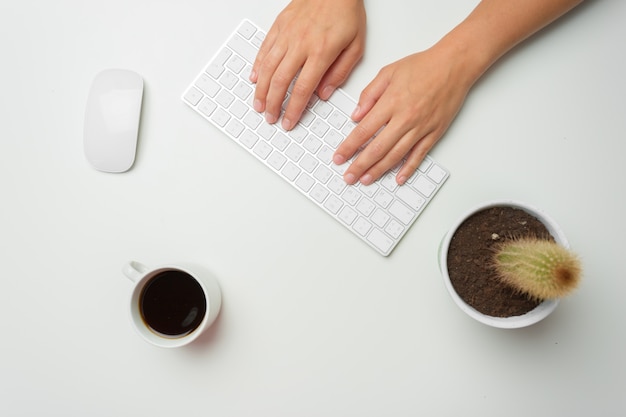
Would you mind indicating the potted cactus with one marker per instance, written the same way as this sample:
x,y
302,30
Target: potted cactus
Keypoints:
x,y
540,268
507,264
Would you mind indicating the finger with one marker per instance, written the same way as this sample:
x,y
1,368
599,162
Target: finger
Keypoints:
x,y
339,71
266,70
370,95
332,70
301,92
415,158
266,46
383,153
279,84
362,132
368,126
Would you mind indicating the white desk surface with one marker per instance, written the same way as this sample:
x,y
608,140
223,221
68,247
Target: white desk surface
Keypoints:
x,y
314,322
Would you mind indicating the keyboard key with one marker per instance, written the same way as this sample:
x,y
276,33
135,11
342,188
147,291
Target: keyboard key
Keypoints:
x,y
389,181
362,226
337,185
239,109
437,174
308,163
347,215
262,149
348,127
298,133
333,138
294,152
410,197
228,80
365,207
322,109
401,212
236,64
215,70
343,102
394,229
193,96
337,120
312,144
242,91
208,85
381,241
276,160
207,107
333,204
224,98
424,186
426,163
221,58
290,171
246,29
248,139
266,130
257,39
307,118
351,196
340,169
325,155
383,198
280,141
243,48
319,193
369,190
305,182
322,174
380,218
234,128
319,128
253,120
220,117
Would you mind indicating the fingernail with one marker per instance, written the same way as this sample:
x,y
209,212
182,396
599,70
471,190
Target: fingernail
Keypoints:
x,y
366,179
286,124
258,106
402,179
356,112
327,92
339,159
253,76
350,179
270,118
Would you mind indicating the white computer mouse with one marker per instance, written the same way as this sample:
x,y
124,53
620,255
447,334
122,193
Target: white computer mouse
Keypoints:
x,y
112,120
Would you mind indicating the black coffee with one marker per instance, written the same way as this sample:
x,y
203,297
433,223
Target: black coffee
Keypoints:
x,y
172,303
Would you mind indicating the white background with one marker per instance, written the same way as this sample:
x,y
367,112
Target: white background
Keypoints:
x,y
314,322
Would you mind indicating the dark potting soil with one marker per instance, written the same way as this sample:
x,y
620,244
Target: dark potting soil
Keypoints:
x,y
470,260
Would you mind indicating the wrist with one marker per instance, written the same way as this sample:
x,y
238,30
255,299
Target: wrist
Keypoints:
x,y
463,58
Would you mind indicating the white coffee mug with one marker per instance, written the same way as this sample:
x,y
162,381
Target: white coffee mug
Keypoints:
x,y
172,305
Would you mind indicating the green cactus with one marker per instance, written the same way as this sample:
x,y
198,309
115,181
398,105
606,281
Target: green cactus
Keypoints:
x,y
540,268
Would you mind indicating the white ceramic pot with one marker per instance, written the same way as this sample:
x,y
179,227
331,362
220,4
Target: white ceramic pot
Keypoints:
x,y
533,316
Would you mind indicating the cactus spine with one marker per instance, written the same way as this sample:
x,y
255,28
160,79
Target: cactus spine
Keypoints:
x,y
540,268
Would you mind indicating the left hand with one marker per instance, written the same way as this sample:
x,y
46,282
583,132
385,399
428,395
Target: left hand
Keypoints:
x,y
413,100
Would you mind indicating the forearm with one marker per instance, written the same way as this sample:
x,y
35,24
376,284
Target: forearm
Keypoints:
x,y
496,26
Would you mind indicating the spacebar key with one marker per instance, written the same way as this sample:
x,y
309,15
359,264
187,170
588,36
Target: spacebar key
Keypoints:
x,y
243,48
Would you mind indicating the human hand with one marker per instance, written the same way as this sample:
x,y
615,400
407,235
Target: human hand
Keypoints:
x,y
413,101
322,40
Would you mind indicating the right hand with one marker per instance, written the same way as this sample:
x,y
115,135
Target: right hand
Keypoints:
x,y
322,40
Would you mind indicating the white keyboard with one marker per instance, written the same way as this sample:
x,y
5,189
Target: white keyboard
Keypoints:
x,y
379,214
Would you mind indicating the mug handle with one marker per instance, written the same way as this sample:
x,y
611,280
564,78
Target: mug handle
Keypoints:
x,y
134,270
